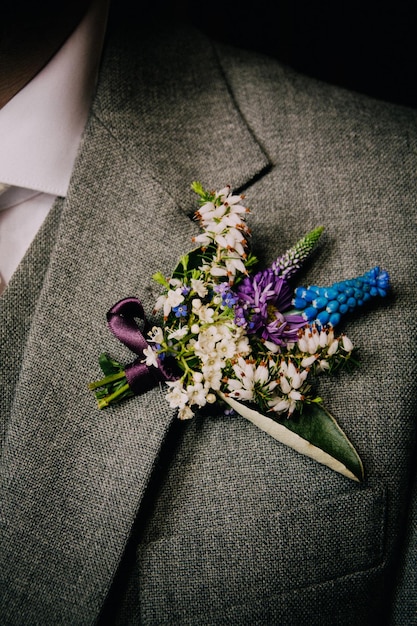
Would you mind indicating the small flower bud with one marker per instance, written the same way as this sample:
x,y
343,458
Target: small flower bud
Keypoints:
x,y
347,344
333,347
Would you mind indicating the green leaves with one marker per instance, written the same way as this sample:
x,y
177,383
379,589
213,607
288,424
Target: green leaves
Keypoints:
x,y
315,433
113,388
205,196
192,261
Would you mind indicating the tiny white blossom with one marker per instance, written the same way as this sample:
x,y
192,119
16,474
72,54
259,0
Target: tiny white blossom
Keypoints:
x,y
216,270
323,365
185,413
151,357
234,265
205,314
197,377
179,333
243,346
197,394
212,374
279,405
199,287
172,298
309,360
333,347
156,335
240,388
347,344
271,346
226,348
177,396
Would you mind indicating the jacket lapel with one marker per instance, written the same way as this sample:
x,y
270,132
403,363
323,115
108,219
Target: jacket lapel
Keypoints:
x,y
185,124
75,476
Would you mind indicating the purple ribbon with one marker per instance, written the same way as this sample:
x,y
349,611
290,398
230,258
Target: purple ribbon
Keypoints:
x,y
121,320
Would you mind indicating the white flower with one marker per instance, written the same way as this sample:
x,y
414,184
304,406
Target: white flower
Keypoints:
x,y
347,344
151,357
333,347
226,348
216,270
240,388
197,394
197,377
242,345
199,287
271,346
212,373
185,413
309,360
323,338
279,404
261,374
156,335
177,396
323,365
205,314
179,333
286,404
250,379
204,239
234,265
175,297
172,298
205,345
291,380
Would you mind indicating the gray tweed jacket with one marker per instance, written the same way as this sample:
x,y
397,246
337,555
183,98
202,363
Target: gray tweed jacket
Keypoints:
x,y
128,515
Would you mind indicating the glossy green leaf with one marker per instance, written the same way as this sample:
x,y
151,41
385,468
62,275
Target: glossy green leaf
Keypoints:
x,y
193,260
315,434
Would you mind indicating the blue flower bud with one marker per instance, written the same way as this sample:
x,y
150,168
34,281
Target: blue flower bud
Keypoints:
x,y
326,305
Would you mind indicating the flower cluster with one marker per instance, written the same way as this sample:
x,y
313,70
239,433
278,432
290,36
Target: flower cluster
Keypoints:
x,y
247,336
247,339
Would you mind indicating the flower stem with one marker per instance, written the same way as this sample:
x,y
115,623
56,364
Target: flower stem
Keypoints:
x,y
111,398
106,381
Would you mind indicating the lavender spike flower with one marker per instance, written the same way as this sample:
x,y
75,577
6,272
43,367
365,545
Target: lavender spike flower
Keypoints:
x,y
292,260
326,305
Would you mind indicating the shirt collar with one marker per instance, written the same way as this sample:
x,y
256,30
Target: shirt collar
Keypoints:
x,y
41,127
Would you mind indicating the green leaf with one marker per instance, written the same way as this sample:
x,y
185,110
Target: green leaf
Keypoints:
x,y
205,196
195,259
109,366
315,434
320,429
160,278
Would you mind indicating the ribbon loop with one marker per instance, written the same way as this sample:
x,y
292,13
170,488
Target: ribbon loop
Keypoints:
x,y
121,319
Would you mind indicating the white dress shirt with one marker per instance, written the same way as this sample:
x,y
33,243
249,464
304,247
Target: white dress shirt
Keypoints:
x,y
40,132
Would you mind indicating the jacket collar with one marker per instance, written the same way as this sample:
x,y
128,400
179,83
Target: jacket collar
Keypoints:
x,y
185,124
125,216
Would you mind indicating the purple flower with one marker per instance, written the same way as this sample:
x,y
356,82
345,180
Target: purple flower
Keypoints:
x,y
229,298
222,287
265,300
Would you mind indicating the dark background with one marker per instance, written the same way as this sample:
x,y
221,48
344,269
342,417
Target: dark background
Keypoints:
x,y
367,46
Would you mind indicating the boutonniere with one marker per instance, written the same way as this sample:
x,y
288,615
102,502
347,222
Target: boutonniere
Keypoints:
x,y
248,339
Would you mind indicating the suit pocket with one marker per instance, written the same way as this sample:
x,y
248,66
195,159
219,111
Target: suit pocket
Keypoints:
x,y
254,561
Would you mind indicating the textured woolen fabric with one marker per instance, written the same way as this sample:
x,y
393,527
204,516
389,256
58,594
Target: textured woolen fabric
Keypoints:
x,y
129,516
